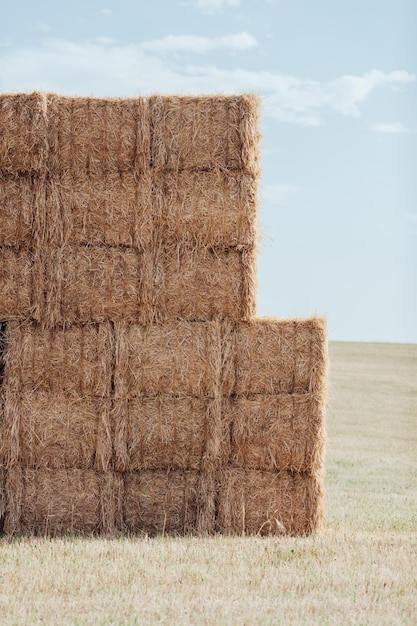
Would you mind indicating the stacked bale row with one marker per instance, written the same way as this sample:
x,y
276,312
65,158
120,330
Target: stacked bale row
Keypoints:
x,y
136,210
139,392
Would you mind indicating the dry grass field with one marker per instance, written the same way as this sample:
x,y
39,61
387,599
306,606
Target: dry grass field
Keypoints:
x,y
361,570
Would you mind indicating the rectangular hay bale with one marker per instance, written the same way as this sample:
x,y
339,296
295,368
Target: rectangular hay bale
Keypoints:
x,y
95,284
61,502
113,208
98,134
181,358
16,280
161,502
23,133
253,502
204,284
16,209
73,359
167,432
215,208
277,432
205,133
280,356
57,430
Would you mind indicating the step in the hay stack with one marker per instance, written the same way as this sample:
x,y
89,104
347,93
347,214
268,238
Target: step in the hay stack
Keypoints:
x,y
165,403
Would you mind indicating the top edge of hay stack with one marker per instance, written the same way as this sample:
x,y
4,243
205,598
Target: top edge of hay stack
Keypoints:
x,y
140,393
44,133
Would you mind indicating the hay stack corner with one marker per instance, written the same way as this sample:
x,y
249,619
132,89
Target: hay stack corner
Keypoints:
x,y
139,391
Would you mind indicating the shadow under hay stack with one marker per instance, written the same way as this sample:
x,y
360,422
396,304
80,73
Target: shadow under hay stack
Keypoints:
x,y
140,394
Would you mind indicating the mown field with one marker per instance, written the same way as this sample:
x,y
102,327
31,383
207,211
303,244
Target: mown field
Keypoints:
x,y
361,570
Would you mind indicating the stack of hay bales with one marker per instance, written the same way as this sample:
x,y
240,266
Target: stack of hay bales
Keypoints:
x,y
139,391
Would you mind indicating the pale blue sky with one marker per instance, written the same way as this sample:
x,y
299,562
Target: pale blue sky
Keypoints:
x,y
338,203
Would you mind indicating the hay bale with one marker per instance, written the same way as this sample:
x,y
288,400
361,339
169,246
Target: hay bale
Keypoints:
x,y
278,432
57,430
207,509
167,432
111,208
75,359
59,502
16,209
178,358
23,133
204,284
95,284
215,208
253,502
161,502
280,356
16,275
160,433
205,133
98,135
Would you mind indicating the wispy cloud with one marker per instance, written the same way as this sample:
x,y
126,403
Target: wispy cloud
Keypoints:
x,y
199,45
295,100
215,6
411,217
390,129
106,11
104,68
105,41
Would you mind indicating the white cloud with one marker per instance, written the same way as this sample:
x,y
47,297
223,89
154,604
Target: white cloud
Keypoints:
x,y
199,45
106,11
215,6
393,128
411,217
347,92
291,99
104,69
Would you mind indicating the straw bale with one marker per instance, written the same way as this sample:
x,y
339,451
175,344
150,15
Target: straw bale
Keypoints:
x,y
278,432
16,209
23,133
216,208
73,359
16,273
178,358
95,284
206,509
98,134
113,208
254,502
167,432
57,430
59,502
205,133
112,492
204,284
280,356
161,502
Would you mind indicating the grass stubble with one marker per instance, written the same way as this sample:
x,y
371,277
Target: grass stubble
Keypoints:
x,y
360,570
